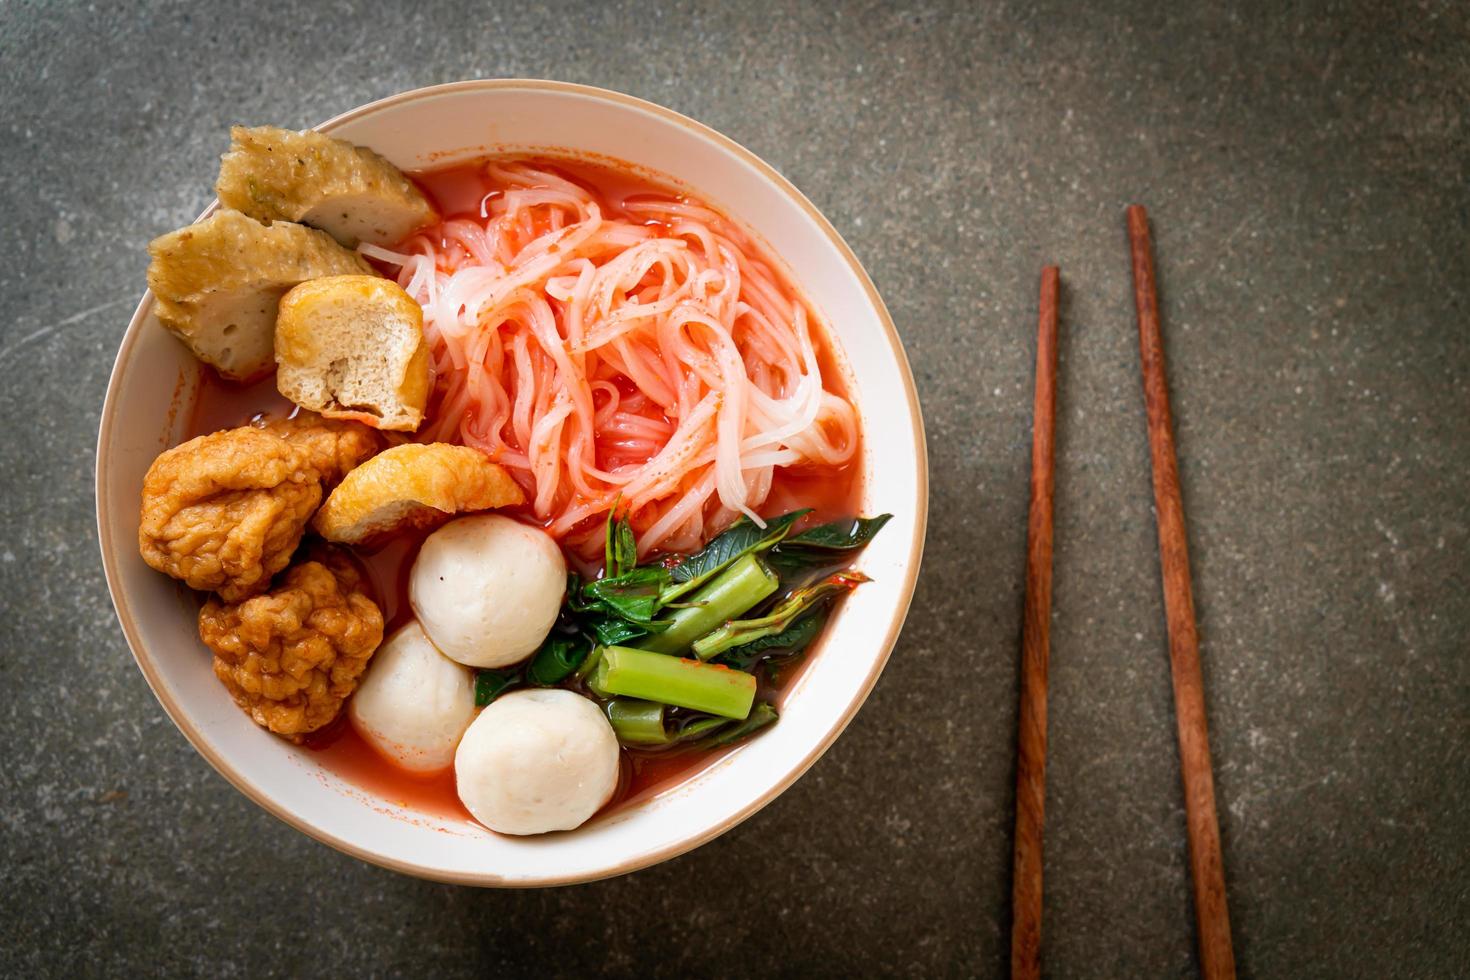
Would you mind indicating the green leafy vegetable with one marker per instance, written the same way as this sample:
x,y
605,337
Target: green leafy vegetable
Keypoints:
x,y
633,595
558,658
573,599
738,632
620,606
611,631
790,641
656,694
826,544
491,684
840,535
620,554
735,542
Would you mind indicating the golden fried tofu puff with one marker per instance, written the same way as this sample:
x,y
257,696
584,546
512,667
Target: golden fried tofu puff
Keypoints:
x,y
292,656
348,191
218,283
352,347
413,486
224,512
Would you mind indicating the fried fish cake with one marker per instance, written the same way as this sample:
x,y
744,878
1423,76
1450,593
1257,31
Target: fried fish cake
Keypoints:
x,y
337,446
348,191
292,656
224,512
219,281
413,486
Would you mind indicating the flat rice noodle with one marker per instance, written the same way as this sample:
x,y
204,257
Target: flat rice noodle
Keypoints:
x,y
602,349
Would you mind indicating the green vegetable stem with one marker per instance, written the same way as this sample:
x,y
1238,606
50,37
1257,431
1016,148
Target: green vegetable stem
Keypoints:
x,y
735,542
736,590
760,716
712,688
637,722
742,631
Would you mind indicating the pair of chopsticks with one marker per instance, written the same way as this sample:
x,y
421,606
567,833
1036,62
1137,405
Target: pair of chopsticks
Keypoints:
x,y
1207,869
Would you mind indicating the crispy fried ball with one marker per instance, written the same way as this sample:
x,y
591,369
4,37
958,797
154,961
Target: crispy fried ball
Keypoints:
x,y
224,512
291,657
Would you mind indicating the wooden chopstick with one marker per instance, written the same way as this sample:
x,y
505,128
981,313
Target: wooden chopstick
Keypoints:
x,y
1035,650
1217,959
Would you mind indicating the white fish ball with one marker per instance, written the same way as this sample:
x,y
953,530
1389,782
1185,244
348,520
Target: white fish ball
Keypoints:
x,y
487,589
536,761
414,703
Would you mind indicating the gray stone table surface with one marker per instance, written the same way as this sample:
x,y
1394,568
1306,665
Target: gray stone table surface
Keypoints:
x,y
1307,167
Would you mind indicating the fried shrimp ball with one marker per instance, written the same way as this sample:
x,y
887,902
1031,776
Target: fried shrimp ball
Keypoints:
x,y
225,511
293,656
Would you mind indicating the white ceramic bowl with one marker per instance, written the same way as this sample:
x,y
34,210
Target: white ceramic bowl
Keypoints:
x,y
153,384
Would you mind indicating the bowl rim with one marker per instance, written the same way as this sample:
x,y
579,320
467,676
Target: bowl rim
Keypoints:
x,y
642,860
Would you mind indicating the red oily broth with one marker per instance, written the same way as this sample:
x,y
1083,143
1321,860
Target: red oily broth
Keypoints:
x,y
831,492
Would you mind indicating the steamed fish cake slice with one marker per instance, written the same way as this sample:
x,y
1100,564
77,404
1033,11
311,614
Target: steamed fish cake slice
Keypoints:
x,y
347,191
352,347
219,281
413,486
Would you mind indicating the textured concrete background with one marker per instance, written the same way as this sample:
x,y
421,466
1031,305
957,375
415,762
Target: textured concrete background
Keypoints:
x,y
1306,168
